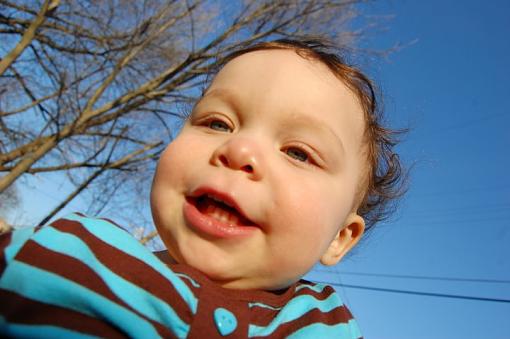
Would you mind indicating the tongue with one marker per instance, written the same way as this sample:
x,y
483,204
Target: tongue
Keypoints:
x,y
220,212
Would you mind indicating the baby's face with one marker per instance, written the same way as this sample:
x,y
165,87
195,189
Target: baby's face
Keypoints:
x,y
260,183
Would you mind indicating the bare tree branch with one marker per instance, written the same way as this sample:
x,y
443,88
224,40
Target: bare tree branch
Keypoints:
x,y
28,36
148,237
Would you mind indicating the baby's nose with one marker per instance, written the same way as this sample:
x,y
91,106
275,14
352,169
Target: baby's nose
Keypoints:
x,y
242,154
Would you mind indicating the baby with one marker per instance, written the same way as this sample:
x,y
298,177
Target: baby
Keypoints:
x,y
281,164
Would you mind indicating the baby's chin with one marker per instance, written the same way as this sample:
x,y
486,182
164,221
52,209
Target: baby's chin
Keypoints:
x,y
270,282
252,283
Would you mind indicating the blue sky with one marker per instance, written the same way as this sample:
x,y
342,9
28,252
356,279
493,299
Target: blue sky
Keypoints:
x,y
449,86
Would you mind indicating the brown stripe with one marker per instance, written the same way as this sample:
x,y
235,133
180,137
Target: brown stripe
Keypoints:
x,y
333,317
129,268
194,289
5,240
327,291
17,309
263,316
76,271
65,266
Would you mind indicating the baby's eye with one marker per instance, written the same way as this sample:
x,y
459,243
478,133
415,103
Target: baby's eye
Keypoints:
x,y
219,125
297,154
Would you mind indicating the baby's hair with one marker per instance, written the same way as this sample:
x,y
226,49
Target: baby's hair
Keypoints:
x,y
382,182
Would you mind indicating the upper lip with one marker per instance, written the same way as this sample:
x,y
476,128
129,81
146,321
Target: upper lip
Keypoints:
x,y
221,196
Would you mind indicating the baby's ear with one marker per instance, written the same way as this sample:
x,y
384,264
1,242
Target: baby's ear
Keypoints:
x,y
346,238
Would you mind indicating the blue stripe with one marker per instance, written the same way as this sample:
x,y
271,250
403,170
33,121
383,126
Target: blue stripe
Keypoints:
x,y
136,297
46,287
123,241
18,238
348,330
295,309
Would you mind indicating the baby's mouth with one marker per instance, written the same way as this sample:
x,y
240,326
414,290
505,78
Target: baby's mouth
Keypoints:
x,y
217,214
220,210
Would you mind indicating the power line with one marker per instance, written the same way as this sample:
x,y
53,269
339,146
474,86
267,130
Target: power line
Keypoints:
x,y
405,225
463,192
461,210
428,294
436,223
419,277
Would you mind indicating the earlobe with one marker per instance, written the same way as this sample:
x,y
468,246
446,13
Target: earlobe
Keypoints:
x,y
346,238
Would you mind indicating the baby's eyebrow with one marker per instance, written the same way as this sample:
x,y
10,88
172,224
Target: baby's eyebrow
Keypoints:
x,y
299,120
220,93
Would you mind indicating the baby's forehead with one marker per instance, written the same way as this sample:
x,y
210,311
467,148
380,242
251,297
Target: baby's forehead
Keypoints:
x,y
278,62
275,73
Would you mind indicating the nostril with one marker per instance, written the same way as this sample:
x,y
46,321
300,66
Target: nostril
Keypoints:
x,y
224,160
248,168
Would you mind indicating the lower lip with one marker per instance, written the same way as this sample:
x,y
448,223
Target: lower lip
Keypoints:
x,y
212,226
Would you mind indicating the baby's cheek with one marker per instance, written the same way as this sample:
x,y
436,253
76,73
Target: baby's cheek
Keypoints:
x,y
301,239
319,218
174,163
308,207
167,184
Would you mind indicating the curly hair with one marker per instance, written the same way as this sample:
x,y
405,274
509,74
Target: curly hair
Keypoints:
x,y
383,181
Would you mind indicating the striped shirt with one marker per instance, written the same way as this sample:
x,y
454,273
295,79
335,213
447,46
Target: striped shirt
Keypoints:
x,y
83,277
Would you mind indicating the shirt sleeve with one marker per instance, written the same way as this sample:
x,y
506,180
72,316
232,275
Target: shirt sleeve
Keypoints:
x,y
83,276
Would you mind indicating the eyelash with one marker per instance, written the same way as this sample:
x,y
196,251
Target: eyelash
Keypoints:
x,y
209,121
227,127
310,157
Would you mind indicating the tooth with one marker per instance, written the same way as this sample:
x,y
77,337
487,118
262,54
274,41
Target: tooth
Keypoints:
x,y
210,209
224,217
233,219
221,215
219,200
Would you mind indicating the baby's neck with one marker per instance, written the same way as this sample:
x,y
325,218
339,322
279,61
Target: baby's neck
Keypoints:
x,y
165,257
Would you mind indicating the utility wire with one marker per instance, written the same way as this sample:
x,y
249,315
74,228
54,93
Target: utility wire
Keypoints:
x,y
490,188
428,294
442,223
418,277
